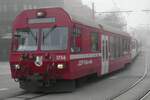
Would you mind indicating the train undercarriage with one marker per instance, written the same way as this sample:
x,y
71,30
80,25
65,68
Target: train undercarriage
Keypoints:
x,y
37,84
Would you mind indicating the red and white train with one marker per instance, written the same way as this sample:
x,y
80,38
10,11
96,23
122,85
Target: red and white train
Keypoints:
x,y
51,48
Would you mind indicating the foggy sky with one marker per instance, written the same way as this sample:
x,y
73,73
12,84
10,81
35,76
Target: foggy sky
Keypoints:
x,y
133,19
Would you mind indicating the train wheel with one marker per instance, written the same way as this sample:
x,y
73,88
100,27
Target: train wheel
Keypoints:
x,y
30,86
61,86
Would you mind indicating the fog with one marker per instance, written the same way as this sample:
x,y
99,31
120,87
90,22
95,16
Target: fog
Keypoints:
x,y
137,19
132,16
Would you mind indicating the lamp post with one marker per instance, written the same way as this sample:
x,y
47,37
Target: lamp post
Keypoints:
x,y
93,9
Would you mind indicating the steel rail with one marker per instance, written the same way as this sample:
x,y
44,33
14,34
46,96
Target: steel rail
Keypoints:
x,y
26,96
145,95
134,83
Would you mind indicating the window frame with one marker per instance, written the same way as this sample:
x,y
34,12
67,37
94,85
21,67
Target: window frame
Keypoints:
x,y
76,33
96,42
54,50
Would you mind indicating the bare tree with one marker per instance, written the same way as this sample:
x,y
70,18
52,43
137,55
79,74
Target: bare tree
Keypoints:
x,y
114,20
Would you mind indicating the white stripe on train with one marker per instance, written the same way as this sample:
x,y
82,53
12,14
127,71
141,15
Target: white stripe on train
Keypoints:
x,y
84,56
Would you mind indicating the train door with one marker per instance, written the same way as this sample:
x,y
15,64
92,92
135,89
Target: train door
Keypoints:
x,y
105,55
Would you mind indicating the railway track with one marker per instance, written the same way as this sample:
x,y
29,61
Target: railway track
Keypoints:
x,y
145,96
122,92
26,96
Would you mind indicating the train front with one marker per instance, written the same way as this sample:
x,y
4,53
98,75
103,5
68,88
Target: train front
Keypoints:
x,y
40,48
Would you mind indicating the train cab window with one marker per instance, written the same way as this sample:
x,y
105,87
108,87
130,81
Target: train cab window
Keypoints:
x,y
76,40
54,38
27,39
94,40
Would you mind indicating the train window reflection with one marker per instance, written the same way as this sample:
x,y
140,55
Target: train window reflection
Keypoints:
x,y
54,38
27,40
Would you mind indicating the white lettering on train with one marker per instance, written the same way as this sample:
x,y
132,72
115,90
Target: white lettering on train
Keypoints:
x,y
84,62
60,57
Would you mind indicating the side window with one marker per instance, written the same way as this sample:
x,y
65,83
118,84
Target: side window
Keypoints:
x,y
94,40
115,47
129,45
124,44
76,40
121,46
118,47
112,47
76,32
103,52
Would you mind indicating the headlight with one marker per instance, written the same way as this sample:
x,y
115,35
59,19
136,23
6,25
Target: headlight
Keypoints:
x,y
60,66
17,67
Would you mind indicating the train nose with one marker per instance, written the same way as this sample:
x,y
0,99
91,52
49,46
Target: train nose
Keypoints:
x,y
38,61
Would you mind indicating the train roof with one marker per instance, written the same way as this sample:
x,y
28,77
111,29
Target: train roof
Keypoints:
x,y
114,30
93,23
86,21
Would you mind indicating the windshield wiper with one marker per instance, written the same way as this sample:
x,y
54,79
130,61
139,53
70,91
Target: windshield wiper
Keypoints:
x,y
28,30
51,30
35,37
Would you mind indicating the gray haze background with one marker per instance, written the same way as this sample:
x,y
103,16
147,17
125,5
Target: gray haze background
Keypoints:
x,y
10,8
